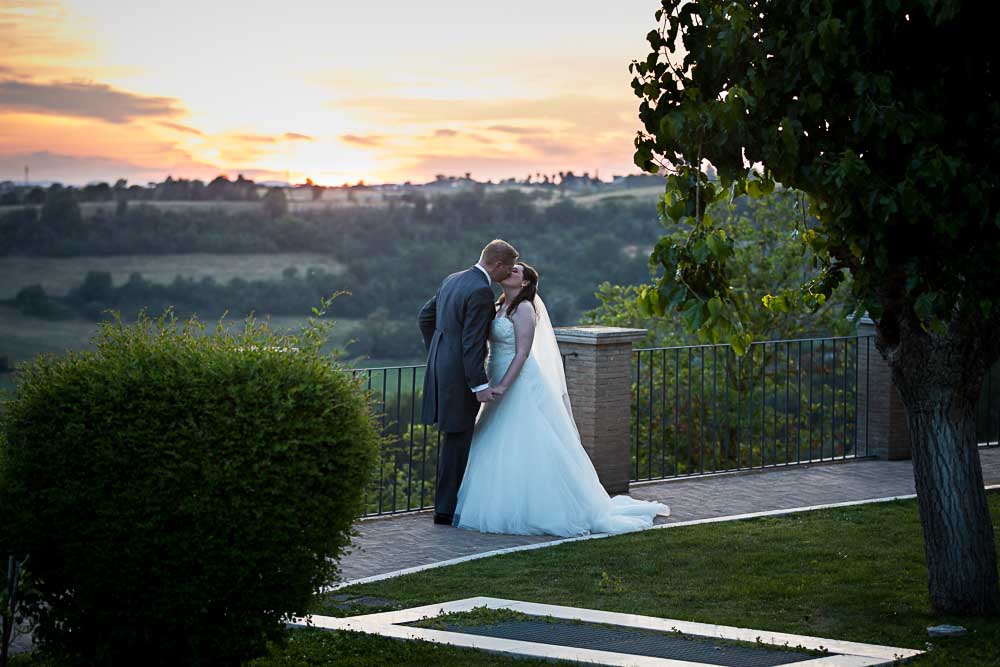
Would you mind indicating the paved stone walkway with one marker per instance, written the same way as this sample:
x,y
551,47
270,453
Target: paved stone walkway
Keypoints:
x,y
408,540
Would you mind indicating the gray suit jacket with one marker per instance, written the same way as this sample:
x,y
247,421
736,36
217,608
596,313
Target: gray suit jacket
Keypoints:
x,y
455,324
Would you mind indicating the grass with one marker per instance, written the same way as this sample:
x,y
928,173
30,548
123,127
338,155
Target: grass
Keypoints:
x,y
483,617
854,573
23,337
60,274
313,648
477,618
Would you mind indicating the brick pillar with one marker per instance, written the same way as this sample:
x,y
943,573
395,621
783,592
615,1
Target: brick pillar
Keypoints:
x,y
599,380
881,415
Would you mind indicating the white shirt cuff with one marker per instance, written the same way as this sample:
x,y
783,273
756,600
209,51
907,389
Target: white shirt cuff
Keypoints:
x,y
480,388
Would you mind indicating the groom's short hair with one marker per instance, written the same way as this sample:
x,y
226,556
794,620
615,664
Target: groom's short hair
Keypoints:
x,y
498,250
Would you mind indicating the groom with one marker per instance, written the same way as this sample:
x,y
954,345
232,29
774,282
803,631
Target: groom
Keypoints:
x,y
455,324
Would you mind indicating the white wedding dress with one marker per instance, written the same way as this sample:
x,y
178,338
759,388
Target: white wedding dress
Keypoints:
x,y
528,473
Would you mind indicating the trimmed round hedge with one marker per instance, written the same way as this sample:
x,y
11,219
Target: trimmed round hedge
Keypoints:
x,y
181,495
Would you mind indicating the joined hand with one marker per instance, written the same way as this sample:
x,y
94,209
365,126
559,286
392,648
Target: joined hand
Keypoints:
x,y
489,394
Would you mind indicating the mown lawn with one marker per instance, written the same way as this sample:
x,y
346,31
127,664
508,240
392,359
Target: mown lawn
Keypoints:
x,y
854,573
59,275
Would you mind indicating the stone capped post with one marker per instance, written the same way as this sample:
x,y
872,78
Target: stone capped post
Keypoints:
x,y
599,380
883,424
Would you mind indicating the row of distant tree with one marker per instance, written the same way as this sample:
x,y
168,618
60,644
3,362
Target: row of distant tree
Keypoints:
x,y
393,257
218,189
222,189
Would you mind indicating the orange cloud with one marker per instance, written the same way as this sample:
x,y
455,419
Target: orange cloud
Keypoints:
x,y
50,166
513,129
36,30
255,138
83,100
181,128
587,113
480,166
270,139
370,140
77,80
550,148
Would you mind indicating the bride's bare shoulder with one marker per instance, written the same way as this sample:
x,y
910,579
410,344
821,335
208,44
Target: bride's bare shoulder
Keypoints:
x,y
524,313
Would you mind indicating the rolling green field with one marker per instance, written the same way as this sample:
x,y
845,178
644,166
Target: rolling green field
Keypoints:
x,y
649,193
389,331
59,274
297,202
23,337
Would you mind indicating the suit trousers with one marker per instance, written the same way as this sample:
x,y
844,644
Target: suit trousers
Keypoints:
x,y
451,469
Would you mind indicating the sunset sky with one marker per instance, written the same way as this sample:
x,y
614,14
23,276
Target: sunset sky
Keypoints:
x,y
385,90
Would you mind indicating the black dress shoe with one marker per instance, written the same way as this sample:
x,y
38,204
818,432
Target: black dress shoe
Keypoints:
x,y
443,519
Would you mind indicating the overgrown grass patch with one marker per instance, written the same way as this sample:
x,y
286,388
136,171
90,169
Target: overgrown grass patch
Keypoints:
x,y
315,648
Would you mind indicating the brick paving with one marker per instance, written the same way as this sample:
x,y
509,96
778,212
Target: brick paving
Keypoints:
x,y
409,540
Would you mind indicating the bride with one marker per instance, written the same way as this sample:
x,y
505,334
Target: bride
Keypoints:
x,y
528,472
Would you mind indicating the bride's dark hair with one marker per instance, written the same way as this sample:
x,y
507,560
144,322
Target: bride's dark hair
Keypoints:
x,y
527,292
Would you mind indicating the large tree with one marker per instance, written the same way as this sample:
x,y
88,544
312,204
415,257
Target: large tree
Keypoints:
x,y
885,113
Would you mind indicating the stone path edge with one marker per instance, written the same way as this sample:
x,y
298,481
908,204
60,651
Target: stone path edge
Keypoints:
x,y
390,624
389,516
541,545
749,472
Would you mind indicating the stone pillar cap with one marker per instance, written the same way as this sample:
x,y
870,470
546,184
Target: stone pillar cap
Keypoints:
x,y
598,335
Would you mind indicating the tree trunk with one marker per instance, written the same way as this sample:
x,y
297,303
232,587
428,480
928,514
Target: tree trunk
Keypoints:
x,y
939,378
7,613
958,532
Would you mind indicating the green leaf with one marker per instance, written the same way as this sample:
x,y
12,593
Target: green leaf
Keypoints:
x,y
692,312
738,344
676,209
642,302
718,245
925,306
779,304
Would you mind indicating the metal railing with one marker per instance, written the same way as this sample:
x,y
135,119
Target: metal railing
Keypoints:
x,y
988,410
695,410
406,468
703,409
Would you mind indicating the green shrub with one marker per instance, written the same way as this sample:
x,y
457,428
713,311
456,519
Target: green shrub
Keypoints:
x,y
181,495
